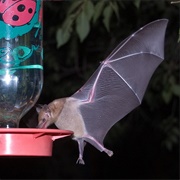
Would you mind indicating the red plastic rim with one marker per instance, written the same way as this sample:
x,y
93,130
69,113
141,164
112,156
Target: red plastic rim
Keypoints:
x,y
29,142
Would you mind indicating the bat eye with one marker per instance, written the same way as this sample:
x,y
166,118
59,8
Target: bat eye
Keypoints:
x,y
43,120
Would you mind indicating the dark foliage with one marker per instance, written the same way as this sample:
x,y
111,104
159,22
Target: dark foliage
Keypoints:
x,y
145,142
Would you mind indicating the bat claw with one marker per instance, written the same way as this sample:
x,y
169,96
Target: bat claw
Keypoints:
x,y
108,152
80,161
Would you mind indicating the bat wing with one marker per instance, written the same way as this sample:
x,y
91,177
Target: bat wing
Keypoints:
x,y
119,83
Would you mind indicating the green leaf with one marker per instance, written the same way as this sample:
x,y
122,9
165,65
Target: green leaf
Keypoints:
x,y
82,26
107,13
115,8
98,10
175,130
121,3
62,37
173,138
168,145
172,80
167,96
176,89
74,6
137,3
68,23
89,9
63,34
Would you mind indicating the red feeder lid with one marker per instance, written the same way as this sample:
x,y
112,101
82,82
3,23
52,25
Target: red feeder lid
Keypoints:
x,y
29,142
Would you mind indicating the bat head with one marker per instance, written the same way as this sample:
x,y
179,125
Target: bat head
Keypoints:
x,y
44,118
49,114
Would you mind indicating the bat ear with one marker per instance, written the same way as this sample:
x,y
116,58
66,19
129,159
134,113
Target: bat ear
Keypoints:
x,y
39,107
44,107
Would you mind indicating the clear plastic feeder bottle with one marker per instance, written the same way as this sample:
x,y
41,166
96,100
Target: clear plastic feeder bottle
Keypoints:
x,y
21,70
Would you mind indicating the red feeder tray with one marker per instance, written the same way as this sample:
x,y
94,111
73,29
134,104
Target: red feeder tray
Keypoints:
x,y
29,142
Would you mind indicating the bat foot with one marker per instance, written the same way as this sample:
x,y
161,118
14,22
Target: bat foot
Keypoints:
x,y
80,161
108,152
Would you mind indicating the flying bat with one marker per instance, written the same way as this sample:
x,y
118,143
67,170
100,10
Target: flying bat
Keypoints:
x,y
114,89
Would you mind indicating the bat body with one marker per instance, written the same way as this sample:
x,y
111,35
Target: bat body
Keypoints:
x,y
114,89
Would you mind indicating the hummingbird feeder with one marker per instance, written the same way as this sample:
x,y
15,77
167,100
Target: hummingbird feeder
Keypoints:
x,y
21,78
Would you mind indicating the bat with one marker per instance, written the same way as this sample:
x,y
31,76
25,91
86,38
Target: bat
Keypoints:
x,y
115,88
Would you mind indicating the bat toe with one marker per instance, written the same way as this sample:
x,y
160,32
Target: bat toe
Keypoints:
x,y
80,161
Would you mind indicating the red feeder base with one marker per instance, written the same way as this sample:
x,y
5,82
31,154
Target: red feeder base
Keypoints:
x,y
29,142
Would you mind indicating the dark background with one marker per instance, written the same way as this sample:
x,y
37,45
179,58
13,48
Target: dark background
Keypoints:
x,y
146,141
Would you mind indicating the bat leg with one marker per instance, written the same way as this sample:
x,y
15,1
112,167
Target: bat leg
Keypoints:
x,y
97,145
81,145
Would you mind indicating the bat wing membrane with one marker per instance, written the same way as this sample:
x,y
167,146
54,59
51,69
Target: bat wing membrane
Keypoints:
x,y
119,83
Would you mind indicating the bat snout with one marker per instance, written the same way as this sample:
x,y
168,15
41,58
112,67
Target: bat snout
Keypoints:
x,y
43,124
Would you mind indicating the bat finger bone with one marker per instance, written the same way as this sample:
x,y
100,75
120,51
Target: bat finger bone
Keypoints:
x,y
105,62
